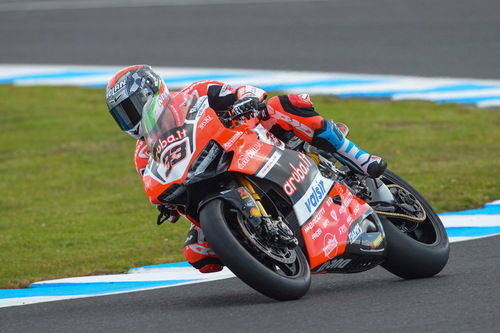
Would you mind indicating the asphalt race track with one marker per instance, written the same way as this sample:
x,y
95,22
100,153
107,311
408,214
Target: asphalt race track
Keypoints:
x,y
463,298
456,38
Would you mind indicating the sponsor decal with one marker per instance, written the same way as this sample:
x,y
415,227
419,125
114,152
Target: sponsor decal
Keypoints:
x,y
244,159
333,215
120,85
354,234
229,143
292,122
243,194
174,137
269,164
205,121
254,212
356,209
330,244
314,199
315,220
250,91
316,234
198,248
338,263
226,90
197,104
342,229
349,219
348,199
299,173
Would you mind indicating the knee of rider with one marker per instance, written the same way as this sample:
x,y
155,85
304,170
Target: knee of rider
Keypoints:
x,y
301,101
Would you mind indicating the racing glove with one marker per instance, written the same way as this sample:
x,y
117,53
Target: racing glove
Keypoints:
x,y
247,107
167,213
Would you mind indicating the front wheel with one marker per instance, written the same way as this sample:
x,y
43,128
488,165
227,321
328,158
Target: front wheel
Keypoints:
x,y
417,247
275,271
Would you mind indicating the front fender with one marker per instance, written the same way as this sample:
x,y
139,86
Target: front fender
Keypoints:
x,y
240,199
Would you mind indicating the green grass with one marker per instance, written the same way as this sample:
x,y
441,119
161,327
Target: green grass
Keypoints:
x,y
72,203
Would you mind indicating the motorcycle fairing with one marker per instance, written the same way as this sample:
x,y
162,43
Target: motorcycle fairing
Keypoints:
x,y
363,251
326,233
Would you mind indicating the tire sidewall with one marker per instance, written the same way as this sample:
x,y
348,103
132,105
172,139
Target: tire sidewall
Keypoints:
x,y
244,265
407,257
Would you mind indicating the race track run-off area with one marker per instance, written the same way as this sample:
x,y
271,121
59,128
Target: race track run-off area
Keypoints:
x,y
481,93
461,226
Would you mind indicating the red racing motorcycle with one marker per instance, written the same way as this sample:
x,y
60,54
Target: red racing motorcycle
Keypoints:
x,y
276,212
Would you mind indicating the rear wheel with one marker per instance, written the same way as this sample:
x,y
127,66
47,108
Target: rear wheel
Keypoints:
x,y
417,244
277,271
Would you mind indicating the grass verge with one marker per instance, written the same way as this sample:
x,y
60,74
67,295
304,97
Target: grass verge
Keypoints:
x,y
72,203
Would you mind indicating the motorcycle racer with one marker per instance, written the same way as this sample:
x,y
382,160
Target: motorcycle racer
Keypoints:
x,y
285,116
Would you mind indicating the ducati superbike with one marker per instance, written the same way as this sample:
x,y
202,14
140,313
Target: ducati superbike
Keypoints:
x,y
276,212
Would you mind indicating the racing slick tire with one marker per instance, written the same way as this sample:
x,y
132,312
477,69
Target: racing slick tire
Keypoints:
x,y
420,253
224,235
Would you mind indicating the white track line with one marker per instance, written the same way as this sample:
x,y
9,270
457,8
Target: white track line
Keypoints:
x,y
94,4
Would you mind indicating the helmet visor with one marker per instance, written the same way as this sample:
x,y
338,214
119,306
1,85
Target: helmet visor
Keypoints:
x,y
129,112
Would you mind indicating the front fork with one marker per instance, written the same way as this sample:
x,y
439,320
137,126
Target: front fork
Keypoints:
x,y
246,183
277,229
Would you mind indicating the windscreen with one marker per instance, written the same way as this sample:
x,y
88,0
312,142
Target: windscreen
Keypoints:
x,y
162,116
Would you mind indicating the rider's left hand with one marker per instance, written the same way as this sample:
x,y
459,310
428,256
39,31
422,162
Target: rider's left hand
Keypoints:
x,y
167,213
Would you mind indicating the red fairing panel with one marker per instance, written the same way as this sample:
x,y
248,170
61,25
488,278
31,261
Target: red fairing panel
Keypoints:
x,y
326,232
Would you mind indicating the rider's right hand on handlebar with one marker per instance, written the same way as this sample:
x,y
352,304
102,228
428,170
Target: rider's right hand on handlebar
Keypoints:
x,y
247,107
